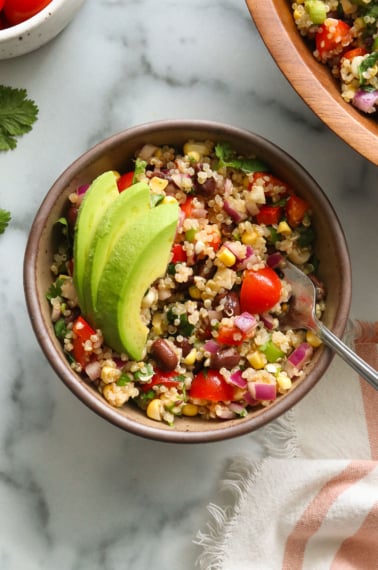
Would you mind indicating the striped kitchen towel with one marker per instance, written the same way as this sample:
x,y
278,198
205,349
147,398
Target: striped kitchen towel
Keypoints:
x,y
312,503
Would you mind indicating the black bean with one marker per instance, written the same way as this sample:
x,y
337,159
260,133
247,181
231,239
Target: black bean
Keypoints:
x,y
207,189
185,346
225,358
229,303
163,353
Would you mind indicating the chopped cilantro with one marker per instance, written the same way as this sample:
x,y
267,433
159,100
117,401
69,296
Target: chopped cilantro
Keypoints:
x,y
366,63
5,218
228,157
17,115
55,289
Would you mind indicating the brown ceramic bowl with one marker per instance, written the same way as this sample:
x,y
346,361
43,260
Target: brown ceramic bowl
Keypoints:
x,y
311,79
116,153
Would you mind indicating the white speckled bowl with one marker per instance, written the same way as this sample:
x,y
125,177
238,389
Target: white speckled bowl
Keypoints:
x,y
38,30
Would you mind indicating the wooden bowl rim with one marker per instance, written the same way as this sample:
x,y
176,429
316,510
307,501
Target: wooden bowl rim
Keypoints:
x,y
312,80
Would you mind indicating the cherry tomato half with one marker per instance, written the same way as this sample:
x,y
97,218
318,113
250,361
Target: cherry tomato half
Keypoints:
x,y
230,335
161,378
210,385
83,332
17,11
2,2
260,290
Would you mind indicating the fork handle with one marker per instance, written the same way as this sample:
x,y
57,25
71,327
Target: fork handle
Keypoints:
x,y
348,355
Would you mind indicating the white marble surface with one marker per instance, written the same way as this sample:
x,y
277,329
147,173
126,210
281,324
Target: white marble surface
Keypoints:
x,y
75,492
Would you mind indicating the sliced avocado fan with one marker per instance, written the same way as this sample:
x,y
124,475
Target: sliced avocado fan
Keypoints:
x,y
102,192
137,259
129,205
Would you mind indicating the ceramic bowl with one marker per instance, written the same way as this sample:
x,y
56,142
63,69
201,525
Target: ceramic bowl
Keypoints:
x,y
37,30
311,79
116,153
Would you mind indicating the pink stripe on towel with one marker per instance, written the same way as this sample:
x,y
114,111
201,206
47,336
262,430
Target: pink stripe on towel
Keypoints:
x,y
315,513
359,552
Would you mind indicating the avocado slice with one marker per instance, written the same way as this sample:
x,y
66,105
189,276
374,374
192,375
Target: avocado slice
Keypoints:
x,y
126,208
97,198
138,258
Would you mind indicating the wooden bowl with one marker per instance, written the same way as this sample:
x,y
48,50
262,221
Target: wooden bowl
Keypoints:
x,y
311,79
116,153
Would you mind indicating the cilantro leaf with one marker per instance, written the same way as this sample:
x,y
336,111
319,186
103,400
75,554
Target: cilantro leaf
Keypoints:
x,y
227,157
5,218
367,62
17,115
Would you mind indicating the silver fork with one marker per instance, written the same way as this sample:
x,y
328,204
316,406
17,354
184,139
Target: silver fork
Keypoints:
x,y
301,314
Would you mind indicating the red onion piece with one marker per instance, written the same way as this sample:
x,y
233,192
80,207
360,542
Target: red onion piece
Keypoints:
x,y
245,322
82,189
268,320
274,259
237,408
234,214
247,397
298,358
224,413
365,101
261,391
93,370
211,346
237,379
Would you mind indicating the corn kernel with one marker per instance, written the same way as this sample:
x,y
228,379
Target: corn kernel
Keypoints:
x,y
284,228
226,257
201,148
116,174
249,238
190,410
158,184
312,339
110,374
257,360
194,292
157,323
283,381
169,200
155,410
194,155
190,358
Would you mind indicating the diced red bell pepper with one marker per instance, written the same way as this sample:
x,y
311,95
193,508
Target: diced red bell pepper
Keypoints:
x,y
125,181
83,332
187,207
230,335
178,253
295,208
160,378
269,215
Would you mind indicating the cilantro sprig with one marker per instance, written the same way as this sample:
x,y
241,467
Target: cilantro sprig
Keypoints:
x,y
228,157
5,218
17,115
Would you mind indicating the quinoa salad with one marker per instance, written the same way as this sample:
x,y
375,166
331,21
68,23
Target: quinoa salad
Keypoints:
x,y
343,35
214,347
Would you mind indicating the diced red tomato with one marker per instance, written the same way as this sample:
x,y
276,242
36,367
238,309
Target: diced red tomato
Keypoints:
x,y
2,2
17,11
332,37
178,253
295,210
125,181
210,385
160,378
215,239
83,332
187,207
260,290
269,215
358,51
271,181
230,335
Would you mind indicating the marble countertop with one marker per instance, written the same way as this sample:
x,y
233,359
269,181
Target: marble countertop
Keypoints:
x,y
75,492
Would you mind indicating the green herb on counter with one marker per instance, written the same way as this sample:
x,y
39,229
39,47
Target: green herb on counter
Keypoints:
x,y
17,115
5,217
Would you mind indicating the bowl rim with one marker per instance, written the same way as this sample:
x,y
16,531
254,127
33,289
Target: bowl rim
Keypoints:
x,y
31,23
60,365
273,19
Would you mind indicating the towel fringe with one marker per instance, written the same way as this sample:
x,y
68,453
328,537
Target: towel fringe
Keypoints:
x,y
238,477
280,438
